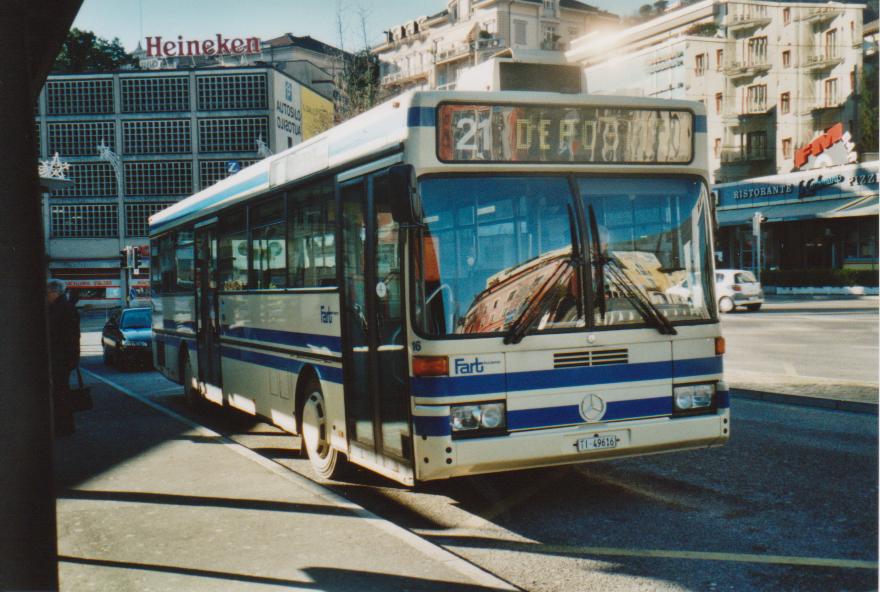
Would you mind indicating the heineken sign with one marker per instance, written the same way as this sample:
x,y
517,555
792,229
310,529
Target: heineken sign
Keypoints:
x,y
157,47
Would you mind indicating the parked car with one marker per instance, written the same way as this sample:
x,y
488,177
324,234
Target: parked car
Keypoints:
x,y
737,287
127,338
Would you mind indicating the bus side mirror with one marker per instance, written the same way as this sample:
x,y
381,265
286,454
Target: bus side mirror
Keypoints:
x,y
405,199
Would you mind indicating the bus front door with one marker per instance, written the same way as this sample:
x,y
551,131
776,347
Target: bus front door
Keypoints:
x,y
207,314
376,369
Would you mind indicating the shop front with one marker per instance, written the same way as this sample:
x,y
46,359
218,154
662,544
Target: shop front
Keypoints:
x,y
819,219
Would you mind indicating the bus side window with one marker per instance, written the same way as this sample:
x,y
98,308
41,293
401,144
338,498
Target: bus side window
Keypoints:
x,y
233,252
311,248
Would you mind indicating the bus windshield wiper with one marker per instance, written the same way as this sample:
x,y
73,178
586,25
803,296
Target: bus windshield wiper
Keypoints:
x,y
539,304
642,304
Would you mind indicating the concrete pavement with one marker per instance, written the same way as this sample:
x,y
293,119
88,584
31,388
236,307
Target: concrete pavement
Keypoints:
x,y
150,501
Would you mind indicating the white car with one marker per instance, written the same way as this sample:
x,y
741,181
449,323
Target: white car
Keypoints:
x,y
737,287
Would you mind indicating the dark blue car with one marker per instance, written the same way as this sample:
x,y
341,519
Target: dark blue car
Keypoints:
x,y
127,338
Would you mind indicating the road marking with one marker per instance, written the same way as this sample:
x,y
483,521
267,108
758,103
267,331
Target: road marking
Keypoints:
x,y
708,556
453,561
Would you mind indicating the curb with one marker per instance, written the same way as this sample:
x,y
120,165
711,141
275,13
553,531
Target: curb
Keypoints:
x,y
821,402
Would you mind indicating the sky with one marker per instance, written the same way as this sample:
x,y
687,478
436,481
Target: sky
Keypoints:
x,y
133,20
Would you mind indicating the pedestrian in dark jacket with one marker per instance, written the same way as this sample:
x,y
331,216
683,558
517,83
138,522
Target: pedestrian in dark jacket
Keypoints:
x,y
63,353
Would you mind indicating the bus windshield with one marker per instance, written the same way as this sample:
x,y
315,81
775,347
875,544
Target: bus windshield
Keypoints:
x,y
496,253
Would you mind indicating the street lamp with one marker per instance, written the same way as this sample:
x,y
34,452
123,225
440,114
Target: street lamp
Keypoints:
x,y
106,154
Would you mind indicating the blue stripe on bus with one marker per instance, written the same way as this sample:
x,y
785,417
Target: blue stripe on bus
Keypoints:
x,y
432,425
697,366
175,340
290,338
700,124
452,386
420,117
524,419
328,373
723,398
214,199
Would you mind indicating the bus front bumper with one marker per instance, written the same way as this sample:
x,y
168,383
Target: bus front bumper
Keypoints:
x,y
443,457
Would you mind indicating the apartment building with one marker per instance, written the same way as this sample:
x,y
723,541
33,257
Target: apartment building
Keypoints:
x,y
773,75
138,141
780,84
429,52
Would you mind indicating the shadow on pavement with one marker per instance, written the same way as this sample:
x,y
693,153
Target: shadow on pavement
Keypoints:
x,y
320,578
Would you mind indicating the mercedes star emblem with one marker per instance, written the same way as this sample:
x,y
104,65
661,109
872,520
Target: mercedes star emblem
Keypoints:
x,y
592,408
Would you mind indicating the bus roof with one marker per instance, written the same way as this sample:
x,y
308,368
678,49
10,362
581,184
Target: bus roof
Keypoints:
x,y
381,129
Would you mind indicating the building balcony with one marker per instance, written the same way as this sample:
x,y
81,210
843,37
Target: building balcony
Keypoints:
x,y
734,154
464,50
745,70
745,22
819,62
404,77
821,14
827,103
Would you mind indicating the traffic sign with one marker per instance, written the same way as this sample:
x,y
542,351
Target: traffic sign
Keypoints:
x,y
132,294
233,166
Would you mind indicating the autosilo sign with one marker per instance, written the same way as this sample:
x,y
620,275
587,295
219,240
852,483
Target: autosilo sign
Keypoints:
x,y
288,113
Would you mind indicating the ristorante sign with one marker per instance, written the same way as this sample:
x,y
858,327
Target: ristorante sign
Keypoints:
x,y
157,47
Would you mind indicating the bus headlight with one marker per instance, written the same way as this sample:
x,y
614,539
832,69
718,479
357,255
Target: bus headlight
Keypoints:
x,y
693,397
484,416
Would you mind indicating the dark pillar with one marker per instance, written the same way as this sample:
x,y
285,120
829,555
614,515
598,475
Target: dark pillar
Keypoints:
x,y
31,34
28,548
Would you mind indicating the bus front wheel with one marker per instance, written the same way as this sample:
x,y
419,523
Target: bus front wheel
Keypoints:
x,y
316,435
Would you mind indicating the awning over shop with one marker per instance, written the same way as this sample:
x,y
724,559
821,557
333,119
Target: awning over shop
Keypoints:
x,y
826,208
869,206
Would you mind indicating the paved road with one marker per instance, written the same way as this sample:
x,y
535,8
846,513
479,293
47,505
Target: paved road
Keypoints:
x,y
789,504
818,346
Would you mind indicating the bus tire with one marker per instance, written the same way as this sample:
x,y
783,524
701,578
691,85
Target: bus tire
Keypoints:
x,y
190,394
325,460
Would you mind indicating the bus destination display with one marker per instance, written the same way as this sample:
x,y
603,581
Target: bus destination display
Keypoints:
x,y
539,133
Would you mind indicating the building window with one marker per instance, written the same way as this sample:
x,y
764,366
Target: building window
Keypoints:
x,y
756,145
157,136
229,134
831,44
852,80
701,64
719,102
212,171
785,102
80,138
756,99
719,59
550,38
786,16
79,97
155,94
519,32
757,51
786,148
231,91
717,147
90,179
831,92
786,59
84,221
137,217
158,178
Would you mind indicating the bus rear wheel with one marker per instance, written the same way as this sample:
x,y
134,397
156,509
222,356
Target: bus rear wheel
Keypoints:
x,y
325,459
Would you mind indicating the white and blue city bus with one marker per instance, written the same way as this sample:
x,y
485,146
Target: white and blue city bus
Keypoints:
x,y
456,283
